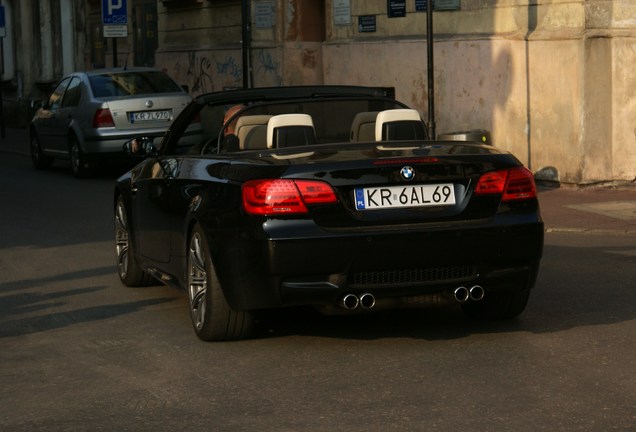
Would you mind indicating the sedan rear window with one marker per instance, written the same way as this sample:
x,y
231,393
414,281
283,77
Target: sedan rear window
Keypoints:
x,y
132,83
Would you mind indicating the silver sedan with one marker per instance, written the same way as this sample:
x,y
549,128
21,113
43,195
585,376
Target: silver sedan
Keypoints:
x,y
89,115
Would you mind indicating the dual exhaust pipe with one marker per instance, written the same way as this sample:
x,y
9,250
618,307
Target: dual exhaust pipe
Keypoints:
x,y
352,301
463,294
367,300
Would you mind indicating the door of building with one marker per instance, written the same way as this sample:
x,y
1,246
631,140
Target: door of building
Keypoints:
x,y
145,39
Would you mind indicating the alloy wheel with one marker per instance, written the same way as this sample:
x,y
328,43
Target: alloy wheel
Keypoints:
x,y
121,240
197,281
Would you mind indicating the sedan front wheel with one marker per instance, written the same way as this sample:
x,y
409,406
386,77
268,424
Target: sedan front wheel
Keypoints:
x,y
39,159
212,317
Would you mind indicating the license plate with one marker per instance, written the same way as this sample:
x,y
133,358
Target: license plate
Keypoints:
x,y
146,116
405,196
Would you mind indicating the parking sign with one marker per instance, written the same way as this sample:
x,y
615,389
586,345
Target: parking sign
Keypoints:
x,y
114,12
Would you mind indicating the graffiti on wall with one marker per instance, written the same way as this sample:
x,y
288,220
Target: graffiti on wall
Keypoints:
x,y
269,67
204,73
228,67
198,73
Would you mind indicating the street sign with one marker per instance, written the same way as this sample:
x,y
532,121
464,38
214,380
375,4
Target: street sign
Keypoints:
x,y
114,12
115,18
115,31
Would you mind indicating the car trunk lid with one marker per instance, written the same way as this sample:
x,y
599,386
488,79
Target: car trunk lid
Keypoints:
x,y
145,112
379,184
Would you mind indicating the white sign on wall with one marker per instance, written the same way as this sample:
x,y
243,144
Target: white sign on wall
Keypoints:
x,y
264,14
342,12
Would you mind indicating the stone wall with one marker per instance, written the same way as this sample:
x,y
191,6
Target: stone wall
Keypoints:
x,y
551,79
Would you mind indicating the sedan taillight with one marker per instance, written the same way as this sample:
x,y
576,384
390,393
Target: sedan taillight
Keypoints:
x,y
103,118
514,184
282,196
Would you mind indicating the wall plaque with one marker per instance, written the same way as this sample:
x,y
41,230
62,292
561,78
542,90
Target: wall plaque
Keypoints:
x,y
366,24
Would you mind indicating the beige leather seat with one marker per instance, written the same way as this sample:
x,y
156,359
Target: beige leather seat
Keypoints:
x,y
363,126
252,131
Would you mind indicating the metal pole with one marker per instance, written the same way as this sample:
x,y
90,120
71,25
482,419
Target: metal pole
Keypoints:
x,y
3,132
430,67
114,52
246,43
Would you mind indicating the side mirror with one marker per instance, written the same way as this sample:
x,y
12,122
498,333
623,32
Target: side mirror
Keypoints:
x,y
141,146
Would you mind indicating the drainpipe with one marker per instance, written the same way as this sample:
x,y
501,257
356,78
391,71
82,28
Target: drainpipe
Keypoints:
x,y
430,68
46,42
246,43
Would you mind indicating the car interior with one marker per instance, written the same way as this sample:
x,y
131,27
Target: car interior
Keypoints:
x,y
263,126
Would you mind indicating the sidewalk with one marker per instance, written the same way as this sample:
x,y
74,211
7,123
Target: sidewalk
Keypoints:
x,y
593,210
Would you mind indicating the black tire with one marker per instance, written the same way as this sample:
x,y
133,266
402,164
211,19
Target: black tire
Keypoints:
x,y
39,159
498,305
212,317
79,165
130,273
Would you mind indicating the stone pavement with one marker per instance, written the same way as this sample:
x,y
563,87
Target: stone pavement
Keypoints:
x,y
593,210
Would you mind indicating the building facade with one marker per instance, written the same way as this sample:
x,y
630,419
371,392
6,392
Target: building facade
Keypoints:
x,y
550,79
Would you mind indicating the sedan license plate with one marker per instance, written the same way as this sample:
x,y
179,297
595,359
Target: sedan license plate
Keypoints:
x,y
146,116
405,196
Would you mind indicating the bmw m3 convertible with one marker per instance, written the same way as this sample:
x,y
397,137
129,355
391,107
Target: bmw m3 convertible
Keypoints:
x,y
329,196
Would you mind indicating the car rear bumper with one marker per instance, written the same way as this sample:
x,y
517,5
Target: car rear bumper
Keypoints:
x,y
113,142
320,271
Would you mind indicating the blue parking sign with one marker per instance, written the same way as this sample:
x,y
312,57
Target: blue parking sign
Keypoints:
x,y
114,12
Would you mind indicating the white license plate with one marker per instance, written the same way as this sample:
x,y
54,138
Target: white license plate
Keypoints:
x,y
145,116
405,196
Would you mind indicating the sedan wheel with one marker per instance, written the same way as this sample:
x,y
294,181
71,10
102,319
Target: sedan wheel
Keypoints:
x,y
129,271
39,159
78,161
212,317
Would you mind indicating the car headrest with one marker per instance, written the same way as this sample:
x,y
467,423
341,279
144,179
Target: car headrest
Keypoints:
x,y
290,130
399,124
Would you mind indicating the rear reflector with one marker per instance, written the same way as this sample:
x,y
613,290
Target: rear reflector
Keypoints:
x,y
514,184
103,118
281,196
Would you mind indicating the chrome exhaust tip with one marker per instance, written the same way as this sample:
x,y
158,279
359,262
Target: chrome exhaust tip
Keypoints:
x,y
367,301
461,294
349,302
477,293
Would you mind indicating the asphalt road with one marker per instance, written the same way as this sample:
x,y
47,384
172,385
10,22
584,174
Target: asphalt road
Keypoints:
x,y
80,352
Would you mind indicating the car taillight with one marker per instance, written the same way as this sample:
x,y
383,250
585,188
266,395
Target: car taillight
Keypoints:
x,y
103,118
514,184
282,196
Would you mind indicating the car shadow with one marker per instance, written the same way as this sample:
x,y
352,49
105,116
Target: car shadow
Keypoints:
x,y
52,321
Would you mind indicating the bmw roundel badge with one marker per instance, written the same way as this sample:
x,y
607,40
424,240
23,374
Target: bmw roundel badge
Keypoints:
x,y
407,173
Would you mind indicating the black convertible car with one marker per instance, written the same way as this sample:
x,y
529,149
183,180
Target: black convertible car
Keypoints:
x,y
326,196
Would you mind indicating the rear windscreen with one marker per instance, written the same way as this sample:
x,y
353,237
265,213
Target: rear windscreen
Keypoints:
x,y
132,83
